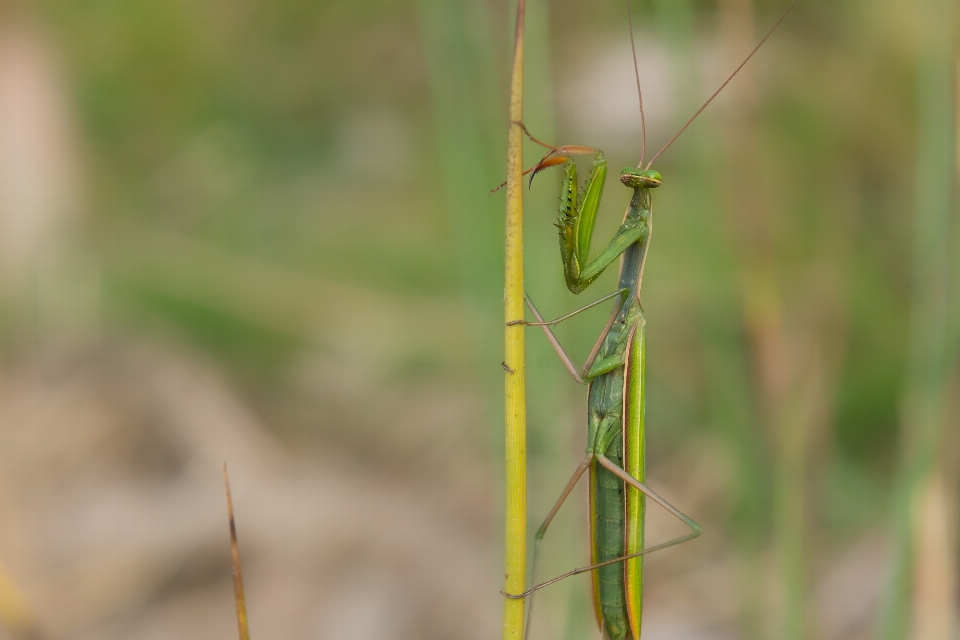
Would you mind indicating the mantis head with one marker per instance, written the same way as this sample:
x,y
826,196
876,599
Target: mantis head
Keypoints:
x,y
640,179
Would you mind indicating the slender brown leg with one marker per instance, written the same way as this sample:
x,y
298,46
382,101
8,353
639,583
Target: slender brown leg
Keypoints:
x,y
574,479
605,462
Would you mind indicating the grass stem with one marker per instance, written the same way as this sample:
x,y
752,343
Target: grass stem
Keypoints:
x,y
515,559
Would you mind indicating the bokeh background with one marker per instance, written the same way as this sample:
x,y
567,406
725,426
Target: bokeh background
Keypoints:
x,y
259,232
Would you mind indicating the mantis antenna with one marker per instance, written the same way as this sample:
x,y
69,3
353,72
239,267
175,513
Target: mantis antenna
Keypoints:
x,y
709,100
636,72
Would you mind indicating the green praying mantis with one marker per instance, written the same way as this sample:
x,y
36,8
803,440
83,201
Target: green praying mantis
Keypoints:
x,y
614,372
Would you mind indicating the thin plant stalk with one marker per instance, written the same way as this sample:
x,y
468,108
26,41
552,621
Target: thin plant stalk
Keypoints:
x,y
924,433
515,524
242,623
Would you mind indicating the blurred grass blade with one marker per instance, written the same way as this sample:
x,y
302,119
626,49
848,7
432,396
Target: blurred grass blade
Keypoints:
x,y
237,575
923,436
465,103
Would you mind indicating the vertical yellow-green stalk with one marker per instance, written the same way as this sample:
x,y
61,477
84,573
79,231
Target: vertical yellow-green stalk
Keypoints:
x,y
785,376
515,556
920,599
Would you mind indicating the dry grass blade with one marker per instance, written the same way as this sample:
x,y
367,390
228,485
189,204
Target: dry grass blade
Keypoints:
x,y
237,574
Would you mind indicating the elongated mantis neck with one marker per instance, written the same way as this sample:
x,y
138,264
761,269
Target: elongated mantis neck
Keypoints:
x,y
631,267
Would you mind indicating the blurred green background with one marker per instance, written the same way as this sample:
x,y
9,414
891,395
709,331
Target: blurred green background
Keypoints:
x,y
261,233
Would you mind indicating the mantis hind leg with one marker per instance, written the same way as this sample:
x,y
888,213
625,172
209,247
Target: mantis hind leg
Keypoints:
x,y
695,529
542,531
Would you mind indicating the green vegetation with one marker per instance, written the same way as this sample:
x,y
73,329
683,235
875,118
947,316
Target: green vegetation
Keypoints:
x,y
287,183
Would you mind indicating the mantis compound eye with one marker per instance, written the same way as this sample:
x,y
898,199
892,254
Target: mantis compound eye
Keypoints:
x,y
637,179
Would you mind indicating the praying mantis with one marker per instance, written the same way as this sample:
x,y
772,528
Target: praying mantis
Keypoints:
x,y
614,373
